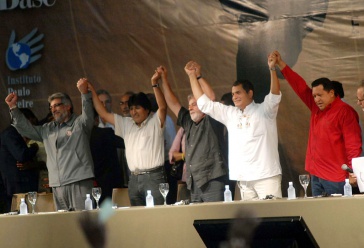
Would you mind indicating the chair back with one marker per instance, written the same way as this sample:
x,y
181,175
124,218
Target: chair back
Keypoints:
x,y
45,203
15,201
120,197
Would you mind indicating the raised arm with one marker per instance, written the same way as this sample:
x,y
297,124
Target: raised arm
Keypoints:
x,y
169,95
274,82
161,101
100,109
192,74
281,64
87,108
297,83
22,124
205,86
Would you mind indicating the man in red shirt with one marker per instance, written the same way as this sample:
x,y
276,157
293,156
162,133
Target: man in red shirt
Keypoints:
x,y
334,135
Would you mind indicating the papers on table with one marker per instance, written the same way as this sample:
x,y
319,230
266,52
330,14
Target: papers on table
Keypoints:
x,y
358,168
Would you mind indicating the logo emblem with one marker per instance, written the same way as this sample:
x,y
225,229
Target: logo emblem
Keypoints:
x,y
21,54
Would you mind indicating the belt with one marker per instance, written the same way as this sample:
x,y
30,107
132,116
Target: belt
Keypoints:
x,y
138,172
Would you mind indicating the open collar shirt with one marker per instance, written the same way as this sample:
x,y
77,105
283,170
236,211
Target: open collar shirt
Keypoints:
x,y
253,139
334,136
144,144
205,158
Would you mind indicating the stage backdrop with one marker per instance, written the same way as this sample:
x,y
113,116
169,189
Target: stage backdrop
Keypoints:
x,y
47,45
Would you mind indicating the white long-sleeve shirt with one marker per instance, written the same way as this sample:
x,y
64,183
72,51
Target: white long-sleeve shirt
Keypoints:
x,y
253,138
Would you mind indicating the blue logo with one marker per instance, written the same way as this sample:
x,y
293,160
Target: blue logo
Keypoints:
x,y
21,54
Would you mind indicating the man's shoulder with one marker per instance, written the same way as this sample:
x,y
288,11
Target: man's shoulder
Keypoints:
x,y
9,132
9,129
345,108
183,115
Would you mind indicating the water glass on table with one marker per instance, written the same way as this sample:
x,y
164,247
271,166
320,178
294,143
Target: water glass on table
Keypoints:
x,y
304,181
32,198
96,193
164,189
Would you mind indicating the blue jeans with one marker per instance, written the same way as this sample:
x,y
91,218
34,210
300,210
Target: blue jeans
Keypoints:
x,y
320,185
138,186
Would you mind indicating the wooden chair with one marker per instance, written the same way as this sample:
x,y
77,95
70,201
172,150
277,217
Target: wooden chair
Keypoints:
x,y
44,203
120,197
15,201
237,195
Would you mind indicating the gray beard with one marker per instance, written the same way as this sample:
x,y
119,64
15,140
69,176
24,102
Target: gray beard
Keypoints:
x,y
60,118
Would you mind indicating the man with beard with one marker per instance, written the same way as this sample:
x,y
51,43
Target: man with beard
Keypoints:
x,y
205,158
253,138
66,140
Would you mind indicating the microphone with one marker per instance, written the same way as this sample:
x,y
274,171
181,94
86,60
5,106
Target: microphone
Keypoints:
x,y
347,168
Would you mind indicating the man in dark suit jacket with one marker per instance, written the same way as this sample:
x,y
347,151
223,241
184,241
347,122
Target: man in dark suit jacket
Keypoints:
x,y
13,152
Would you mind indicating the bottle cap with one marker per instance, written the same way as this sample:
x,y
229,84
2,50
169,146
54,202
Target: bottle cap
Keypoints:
x,y
88,195
290,184
226,186
347,180
21,199
149,191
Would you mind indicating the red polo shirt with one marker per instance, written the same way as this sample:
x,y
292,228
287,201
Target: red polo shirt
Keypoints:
x,y
334,136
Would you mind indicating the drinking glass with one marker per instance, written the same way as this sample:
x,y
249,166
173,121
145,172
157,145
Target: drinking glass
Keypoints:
x,y
164,189
96,193
32,198
242,186
304,181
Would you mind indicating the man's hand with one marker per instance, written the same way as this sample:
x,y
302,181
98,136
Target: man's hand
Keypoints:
x,y
281,64
82,85
11,100
197,68
162,71
353,180
90,87
156,76
190,69
272,60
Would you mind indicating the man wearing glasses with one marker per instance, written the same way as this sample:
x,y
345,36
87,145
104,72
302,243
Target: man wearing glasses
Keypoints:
x,y
66,140
360,95
106,100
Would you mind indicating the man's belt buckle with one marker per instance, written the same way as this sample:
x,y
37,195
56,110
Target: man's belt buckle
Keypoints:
x,y
137,172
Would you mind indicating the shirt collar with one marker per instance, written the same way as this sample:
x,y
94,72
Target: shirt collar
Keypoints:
x,y
144,122
249,107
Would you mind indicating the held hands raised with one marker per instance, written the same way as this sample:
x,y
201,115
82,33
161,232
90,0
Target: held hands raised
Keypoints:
x,y
192,68
272,60
82,85
160,72
156,76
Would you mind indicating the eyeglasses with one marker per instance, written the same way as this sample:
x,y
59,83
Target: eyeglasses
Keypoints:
x,y
122,103
55,105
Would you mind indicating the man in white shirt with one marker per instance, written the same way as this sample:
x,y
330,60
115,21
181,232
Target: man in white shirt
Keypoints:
x,y
143,135
253,139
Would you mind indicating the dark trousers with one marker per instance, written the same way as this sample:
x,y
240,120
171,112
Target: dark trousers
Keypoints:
x,y
139,184
173,184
